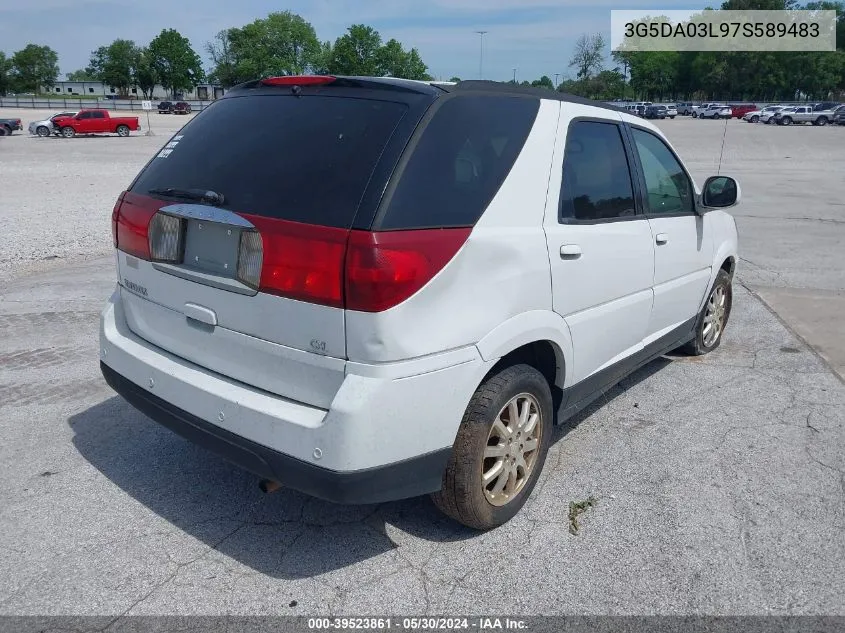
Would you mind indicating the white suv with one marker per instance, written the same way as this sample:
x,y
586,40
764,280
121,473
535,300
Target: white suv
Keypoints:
x,y
398,288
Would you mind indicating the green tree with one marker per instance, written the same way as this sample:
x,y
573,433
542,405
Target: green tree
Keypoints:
x,y
34,67
543,82
144,74
357,52
114,64
80,75
5,74
283,43
176,64
323,60
395,61
456,79
588,57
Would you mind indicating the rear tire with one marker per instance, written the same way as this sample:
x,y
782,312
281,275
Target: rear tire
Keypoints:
x,y
713,318
500,449
122,130
755,119
695,115
68,132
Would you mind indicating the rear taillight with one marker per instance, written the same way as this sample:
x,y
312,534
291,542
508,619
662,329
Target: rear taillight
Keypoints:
x,y
301,261
385,269
114,213
134,214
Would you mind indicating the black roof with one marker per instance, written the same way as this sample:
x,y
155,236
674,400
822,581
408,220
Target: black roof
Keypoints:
x,y
435,88
540,93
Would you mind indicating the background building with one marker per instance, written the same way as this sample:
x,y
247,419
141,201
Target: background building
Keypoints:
x,y
201,92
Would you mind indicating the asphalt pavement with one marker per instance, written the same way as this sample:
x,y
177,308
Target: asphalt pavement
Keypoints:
x,y
719,481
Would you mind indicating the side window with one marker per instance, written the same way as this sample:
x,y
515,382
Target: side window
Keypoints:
x,y
98,115
84,115
668,187
461,160
596,176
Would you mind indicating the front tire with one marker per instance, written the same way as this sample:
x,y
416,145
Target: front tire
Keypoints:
x,y
68,132
786,121
821,121
755,119
713,318
500,449
42,131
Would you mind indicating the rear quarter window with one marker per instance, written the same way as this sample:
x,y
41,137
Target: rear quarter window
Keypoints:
x,y
459,162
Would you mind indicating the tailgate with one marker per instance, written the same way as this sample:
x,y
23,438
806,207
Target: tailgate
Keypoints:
x,y
231,247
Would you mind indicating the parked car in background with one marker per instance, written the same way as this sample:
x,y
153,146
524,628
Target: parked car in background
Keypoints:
x,y
685,108
47,127
839,115
739,111
767,115
10,125
804,114
181,107
715,111
698,109
96,122
655,112
640,110
165,107
289,332
671,110
754,115
826,105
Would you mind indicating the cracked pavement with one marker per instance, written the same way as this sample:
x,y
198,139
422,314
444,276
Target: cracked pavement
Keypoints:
x,y
720,484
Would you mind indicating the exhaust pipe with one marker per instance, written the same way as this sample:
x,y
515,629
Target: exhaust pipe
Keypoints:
x,y
268,485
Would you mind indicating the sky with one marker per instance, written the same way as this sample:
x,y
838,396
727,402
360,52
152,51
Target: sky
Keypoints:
x,y
535,37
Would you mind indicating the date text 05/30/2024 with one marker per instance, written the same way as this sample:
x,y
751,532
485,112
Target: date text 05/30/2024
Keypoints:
x,y
416,624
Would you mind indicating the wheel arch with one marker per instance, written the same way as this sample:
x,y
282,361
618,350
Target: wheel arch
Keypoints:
x,y
539,338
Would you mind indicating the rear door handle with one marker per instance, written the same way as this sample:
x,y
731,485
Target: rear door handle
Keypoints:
x,y
662,238
200,313
570,251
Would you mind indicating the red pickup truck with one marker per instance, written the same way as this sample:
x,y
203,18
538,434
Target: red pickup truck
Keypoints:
x,y
96,122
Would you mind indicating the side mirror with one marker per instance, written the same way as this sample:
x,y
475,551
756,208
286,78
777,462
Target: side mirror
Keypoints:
x,y
720,192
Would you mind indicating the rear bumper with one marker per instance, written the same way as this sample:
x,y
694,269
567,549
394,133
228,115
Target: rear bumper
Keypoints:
x,y
387,435
409,478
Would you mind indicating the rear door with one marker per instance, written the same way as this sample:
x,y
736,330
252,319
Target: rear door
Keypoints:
x,y
601,249
683,242
292,172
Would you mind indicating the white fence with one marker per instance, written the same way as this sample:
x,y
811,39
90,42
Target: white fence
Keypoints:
x,y
62,103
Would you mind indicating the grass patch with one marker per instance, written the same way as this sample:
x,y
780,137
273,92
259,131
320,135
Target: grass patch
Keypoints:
x,y
577,508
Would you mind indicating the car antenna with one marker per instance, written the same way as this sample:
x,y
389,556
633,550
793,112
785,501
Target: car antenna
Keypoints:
x,y
721,153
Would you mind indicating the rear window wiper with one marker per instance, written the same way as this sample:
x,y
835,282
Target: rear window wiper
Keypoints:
x,y
200,195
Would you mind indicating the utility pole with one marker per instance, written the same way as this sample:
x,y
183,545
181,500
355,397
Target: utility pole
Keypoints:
x,y
514,75
481,56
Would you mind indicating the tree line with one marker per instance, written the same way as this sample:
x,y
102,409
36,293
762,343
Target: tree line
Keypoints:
x,y
728,76
283,43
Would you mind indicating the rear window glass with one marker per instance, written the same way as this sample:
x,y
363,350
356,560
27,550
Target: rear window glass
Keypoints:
x,y
461,160
306,159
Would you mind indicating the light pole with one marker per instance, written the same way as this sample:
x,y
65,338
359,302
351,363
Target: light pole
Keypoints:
x,y
514,75
481,56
